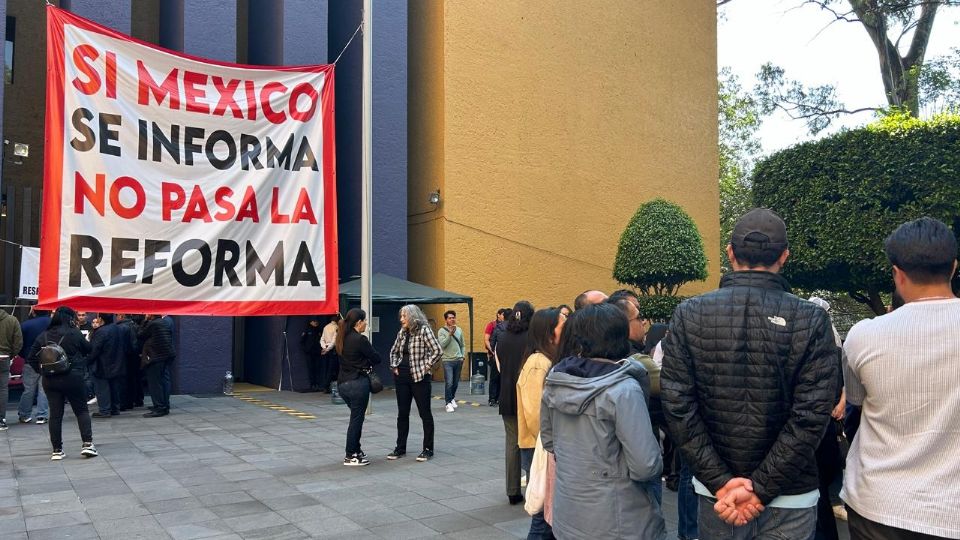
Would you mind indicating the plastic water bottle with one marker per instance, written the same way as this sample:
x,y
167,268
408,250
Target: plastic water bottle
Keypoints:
x,y
228,384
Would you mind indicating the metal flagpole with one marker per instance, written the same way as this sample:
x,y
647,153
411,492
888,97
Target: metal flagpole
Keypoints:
x,y
366,230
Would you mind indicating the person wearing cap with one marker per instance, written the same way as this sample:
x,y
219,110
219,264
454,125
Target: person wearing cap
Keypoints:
x,y
748,382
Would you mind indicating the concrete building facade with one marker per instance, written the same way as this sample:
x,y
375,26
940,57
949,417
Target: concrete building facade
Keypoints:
x,y
543,125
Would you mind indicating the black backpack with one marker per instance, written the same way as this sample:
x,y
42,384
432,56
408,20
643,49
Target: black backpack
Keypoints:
x,y
53,359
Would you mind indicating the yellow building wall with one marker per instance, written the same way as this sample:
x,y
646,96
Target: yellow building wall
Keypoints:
x,y
545,124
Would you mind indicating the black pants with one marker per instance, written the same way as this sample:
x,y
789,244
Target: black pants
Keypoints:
x,y
329,366
419,392
511,455
313,370
829,465
63,388
132,388
158,381
108,394
356,394
494,379
862,528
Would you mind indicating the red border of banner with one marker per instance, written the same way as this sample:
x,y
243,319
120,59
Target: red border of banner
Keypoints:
x,y
51,237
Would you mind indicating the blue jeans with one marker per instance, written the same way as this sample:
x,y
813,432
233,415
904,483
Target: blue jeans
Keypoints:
x,y
451,378
356,394
686,504
772,523
32,389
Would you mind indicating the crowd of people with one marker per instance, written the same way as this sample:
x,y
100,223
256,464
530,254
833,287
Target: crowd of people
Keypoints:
x,y
105,359
747,383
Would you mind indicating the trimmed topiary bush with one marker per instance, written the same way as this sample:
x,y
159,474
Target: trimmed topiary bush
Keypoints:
x,y
842,195
659,308
660,250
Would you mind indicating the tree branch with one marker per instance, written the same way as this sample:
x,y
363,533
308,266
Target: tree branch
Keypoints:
x,y
822,4
918,46
818,111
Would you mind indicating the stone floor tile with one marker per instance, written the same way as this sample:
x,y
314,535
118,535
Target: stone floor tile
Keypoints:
x,y
193,531
451,522
56,520
289,502
183,517
329,526
239,509
250,522
404,531
280,532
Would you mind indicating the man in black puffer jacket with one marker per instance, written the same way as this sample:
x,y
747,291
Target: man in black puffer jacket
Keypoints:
x,y
156,334
748,382
109,364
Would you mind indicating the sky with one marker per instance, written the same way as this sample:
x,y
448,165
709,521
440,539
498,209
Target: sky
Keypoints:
x,y
810,49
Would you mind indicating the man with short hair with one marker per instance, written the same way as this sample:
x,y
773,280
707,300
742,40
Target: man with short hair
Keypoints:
x,y
901,480
587,298
131,389
748,384
156,334
108,361
488,339
37,323
450,337
11,342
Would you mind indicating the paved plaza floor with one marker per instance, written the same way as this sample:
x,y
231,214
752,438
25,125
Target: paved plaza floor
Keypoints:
x,y
263,465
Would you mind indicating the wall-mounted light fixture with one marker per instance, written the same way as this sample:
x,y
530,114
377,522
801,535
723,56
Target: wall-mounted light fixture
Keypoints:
x,y
20,151
434,197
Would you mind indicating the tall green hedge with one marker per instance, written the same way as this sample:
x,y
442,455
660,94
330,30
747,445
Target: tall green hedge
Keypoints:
x,y
660,250
842,195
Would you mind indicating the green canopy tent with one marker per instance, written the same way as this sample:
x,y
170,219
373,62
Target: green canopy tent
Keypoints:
x,y
391,290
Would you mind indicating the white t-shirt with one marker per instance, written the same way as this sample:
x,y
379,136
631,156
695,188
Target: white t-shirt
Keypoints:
x,y
903,468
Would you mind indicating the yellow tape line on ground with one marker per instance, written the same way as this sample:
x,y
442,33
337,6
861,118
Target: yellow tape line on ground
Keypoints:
x,y
273,406
460,401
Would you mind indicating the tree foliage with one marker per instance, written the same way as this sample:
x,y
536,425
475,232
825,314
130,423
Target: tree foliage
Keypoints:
x,y
660,250
900,31
739,118
842,195
659,308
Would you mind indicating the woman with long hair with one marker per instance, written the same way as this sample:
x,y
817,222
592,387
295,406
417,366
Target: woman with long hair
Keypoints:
x,y
69,386
414,353
542,341
595,421
357,358
510,353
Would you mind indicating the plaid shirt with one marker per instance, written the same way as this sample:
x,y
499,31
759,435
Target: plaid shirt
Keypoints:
x,y
424,351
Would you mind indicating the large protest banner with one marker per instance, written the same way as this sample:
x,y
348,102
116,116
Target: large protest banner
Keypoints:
x,y
180,185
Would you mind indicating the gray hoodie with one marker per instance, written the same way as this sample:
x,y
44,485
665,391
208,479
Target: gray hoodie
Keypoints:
x,y
594,419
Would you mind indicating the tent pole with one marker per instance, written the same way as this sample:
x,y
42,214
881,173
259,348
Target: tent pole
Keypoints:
x,y
366,249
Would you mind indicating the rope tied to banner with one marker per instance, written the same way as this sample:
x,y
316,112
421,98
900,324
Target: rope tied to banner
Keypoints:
x,y
355,32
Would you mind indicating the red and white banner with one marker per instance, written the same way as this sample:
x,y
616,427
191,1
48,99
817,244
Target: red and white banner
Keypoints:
x,y
180,185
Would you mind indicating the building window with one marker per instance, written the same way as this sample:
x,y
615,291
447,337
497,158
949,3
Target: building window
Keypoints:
x,y
8,50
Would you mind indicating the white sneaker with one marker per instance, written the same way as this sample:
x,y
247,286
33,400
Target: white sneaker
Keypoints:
x,y
449,407
92,401
454,403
